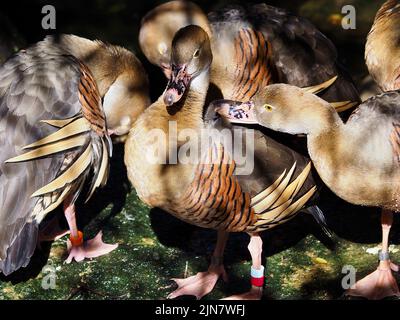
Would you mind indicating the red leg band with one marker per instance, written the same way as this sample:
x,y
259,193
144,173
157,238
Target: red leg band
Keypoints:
x,y
257,282
78,240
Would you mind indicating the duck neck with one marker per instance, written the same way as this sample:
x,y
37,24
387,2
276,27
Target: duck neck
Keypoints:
x,y
322,120
324,141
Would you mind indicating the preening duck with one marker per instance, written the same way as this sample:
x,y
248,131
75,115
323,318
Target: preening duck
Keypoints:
x,y
207,185
59,101
252,46
358,160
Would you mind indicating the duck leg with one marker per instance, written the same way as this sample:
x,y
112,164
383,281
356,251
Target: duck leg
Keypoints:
x,y
381,283
79,249
257,272
203,283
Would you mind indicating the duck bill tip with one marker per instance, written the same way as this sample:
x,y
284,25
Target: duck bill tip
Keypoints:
x,y
171,96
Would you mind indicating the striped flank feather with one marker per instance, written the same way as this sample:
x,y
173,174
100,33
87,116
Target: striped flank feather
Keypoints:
x,y
215,199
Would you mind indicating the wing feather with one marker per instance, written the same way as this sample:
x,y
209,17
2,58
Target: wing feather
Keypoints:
x,y
300,54
42,110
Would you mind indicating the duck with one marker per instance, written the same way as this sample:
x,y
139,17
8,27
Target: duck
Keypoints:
x,y
365,174
208,184
253,46
382,61
60,101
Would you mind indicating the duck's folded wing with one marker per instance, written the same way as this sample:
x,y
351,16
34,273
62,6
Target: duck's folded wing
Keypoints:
x,y
298,52
280,183
38,85
302,54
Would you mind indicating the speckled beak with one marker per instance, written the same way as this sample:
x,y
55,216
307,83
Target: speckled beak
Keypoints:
x,y
177,84
236,111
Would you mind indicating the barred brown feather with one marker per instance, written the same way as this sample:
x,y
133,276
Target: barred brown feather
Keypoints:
x,y
253,64
215,198
90,100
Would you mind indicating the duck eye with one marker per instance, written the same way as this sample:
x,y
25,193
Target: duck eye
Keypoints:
x,y
196,53
268,107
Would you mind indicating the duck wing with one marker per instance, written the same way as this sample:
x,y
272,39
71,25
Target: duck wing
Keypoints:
x,y
251,187
297,52
52,132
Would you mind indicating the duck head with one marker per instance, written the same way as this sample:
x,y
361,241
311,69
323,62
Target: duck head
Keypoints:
x,y
121,79
280,107
190,56
160,25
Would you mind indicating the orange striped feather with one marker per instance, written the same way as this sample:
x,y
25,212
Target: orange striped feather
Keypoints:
x,y
253,66
215,199
91,102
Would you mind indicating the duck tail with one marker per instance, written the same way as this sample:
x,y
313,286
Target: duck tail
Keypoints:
x,y
319,216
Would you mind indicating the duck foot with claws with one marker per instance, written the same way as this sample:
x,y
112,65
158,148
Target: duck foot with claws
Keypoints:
x,y
204,282
381,283
199,285
377,285
89,249
77,248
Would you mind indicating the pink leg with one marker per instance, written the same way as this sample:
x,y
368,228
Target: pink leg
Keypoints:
x,y
202,283
380,283
78,249
257,271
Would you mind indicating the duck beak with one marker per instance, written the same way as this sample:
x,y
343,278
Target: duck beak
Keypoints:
x,y
177,84
236,111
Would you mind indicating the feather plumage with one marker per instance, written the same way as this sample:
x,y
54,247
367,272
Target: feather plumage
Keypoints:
x,y
45,95
299,53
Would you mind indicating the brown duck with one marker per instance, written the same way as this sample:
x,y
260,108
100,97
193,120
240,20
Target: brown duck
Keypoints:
x,y
358,160
253,46
212,190
60,100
